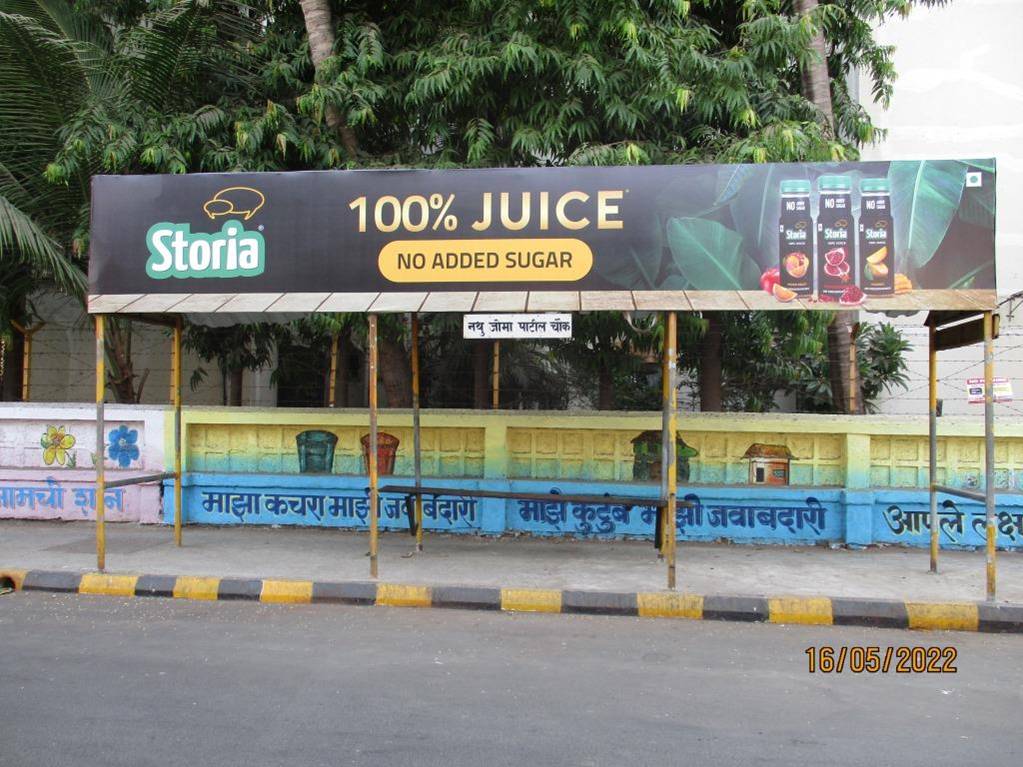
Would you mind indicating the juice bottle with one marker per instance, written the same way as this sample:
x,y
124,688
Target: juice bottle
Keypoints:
x,y
835,254
877,268
795,237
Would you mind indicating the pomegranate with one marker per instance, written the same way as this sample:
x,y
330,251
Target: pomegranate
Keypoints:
x,y
851,296
769,279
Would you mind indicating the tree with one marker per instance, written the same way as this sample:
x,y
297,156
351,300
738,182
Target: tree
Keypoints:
x,y
235,349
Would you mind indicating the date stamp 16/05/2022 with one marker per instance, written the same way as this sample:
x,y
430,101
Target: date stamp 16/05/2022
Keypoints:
x,y
874,659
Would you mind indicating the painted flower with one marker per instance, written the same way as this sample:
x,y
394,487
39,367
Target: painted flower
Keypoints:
x,y
122,447
55,443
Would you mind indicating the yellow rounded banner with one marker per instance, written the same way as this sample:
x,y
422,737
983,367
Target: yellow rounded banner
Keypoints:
x,y
540,259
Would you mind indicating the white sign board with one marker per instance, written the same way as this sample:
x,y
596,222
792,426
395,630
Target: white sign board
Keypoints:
x,y
547,325
975,390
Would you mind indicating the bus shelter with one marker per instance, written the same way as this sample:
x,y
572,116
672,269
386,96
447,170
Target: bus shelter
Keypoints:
x,y
228,248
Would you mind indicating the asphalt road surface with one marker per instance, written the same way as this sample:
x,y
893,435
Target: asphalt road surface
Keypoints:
x,y
105,681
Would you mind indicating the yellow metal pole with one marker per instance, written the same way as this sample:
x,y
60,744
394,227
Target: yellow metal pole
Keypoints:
x,y
101,485
665,386
670,347
176,400
332,384
26,357
989,449
374,496
932,398
416,436
26,366
496,380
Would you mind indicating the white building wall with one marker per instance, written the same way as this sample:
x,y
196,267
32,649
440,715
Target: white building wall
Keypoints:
x,y
959,93
63,360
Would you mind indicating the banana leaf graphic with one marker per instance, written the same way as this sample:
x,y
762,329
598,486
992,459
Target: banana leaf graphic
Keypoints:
x,y
925,199
709,255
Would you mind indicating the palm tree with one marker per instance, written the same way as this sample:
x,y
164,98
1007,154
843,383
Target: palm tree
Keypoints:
x,y
82,93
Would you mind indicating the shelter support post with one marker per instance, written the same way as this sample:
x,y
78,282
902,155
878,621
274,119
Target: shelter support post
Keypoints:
x,y
374,479
101,373
26,357
989,449
932,398
670,462
332,383
176,401
495,384
416,441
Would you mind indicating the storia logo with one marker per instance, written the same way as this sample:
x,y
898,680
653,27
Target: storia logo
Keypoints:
x,y
175,251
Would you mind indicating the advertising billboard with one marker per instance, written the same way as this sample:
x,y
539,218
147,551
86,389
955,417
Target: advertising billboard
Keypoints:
x,y
904,235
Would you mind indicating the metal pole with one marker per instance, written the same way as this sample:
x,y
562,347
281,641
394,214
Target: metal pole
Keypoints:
x,y
101,533
932,388
176,400
989,449
416,442
332,384
665,426
853,370
672,406
374,495
26,366
496,380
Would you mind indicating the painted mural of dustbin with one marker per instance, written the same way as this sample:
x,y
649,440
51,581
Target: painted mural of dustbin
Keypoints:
x,y
768,464
646,456
315,451
387,449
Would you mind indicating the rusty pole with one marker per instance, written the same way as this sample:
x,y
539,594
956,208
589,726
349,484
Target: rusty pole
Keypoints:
x,y
989,450
374,479
176,401
101,533
932,396
416,436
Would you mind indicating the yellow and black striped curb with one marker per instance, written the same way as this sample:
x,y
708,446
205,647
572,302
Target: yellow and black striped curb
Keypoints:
x,y
838,611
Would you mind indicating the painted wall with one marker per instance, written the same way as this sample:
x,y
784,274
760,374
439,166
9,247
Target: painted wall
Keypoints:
x,y
48,454
744,515
829,451
854,479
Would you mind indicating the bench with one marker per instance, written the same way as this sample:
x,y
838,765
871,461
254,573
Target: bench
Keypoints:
x,y
630,501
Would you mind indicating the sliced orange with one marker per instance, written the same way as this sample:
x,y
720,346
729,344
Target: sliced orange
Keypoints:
x,y
783,294
878,255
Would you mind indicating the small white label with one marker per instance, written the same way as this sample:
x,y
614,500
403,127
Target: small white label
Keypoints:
x,y
973,178
517,326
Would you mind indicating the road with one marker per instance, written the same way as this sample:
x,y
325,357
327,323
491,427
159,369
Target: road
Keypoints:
x,y
105,681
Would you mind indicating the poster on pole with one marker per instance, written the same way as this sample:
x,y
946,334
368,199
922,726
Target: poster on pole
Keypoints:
x,y
903,235
1002,390
489,326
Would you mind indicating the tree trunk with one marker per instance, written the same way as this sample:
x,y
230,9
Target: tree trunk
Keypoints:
x,y
816,81
344,361
236,378
319,26
710,365
817,88
482,352
121,371
395,373
605,389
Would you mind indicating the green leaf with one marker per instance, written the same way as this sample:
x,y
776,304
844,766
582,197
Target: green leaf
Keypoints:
x,y
925,199
709,255
639,267
978,204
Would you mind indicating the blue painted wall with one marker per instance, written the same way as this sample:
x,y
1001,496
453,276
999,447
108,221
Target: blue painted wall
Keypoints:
x,y
744,514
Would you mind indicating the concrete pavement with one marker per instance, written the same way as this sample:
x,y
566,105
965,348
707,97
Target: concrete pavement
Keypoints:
x,y
133,683
621,566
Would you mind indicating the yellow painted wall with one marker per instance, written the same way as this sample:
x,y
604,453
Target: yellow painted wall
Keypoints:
x,y
854,451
